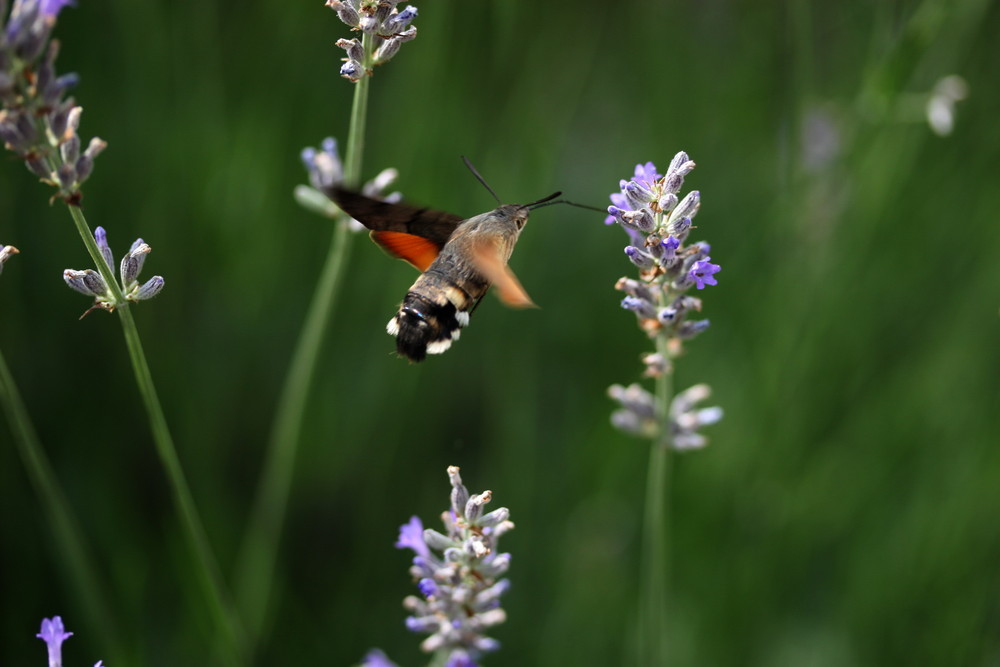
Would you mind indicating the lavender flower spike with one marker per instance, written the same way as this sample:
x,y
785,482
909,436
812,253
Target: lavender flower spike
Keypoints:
x,y
458,575
387,25
38,122
658,222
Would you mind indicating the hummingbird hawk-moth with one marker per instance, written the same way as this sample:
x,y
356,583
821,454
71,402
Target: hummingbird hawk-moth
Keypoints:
x,y
459,259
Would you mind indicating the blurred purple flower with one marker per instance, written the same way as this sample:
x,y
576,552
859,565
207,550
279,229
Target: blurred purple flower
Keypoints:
x,y
411,536
53,633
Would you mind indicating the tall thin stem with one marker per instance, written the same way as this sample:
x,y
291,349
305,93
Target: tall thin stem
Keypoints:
x,y
232,645
255,566
655,560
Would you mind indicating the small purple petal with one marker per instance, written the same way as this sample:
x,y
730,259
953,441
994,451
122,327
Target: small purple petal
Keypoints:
x,y
53,7
646,174
411,536
702,273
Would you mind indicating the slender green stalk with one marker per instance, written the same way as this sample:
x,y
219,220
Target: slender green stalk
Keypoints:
x,y
73,550
232,642
255,566
655,559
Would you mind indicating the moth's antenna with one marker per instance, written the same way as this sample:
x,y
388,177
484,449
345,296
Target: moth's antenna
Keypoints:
x,y
480,178
545,202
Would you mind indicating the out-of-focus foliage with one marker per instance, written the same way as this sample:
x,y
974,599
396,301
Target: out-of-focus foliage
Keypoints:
x,y
845,511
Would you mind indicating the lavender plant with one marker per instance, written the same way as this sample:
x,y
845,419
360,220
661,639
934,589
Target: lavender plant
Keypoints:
x,y
384,28
40,124
658,224
458,575
91,283
53,633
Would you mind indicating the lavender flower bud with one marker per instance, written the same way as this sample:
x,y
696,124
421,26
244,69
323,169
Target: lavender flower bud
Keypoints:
x,y
637,194
87,282
352,69
132,262
353,48
688,330
459,494
391,45
6,252
667,202
638,257
688,207
85,165
641,219
640,307
101,237
148,290
398,22
685,420
635,399
345,11
37,165
656,365
679,228
635,288
436,541
686,400
70,149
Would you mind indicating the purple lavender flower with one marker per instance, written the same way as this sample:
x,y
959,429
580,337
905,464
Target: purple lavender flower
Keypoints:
x,y
91,282
658,222
411,536
702,273
388,26
52,8
38,122
458,575
53,633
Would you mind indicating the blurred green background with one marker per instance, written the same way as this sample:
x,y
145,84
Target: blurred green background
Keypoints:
x,y
845,512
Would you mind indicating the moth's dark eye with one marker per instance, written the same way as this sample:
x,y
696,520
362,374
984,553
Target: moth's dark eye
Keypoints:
x,y
520,222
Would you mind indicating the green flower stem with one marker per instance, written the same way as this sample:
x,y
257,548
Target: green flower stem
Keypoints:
x,y
255,566
210,579
73,550
655,560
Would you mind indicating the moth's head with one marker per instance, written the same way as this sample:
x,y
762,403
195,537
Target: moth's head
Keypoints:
x,y
510,214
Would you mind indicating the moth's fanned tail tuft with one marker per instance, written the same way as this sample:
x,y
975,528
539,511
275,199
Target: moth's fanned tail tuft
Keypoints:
x,y
423,326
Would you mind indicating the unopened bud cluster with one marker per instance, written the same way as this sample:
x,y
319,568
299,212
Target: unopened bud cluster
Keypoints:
x,y
38,122
387,26
658,222
91,283
326,171
458,572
